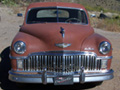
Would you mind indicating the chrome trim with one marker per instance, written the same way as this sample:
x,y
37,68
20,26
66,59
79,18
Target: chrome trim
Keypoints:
x,y
22,65
22,44
62,61
88,77
44,77
104,57
83,60
62,45
58,53
60,8
89,48
82,76
62,31
108,46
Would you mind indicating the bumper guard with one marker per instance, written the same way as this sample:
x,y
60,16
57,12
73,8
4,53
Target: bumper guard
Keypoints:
x,y
46,78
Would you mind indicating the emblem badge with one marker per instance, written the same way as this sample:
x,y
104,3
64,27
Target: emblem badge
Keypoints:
x,y
89,48
63,45
62,31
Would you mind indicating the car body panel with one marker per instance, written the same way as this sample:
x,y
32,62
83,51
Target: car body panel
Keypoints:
x,y
41,38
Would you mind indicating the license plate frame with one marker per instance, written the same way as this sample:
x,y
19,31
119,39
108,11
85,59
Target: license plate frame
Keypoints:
x,y
63,80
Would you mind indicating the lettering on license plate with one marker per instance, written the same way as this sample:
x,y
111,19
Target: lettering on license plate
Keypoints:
x,y
63,80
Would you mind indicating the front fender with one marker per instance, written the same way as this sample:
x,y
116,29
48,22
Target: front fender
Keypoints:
x,y
33,44
92,43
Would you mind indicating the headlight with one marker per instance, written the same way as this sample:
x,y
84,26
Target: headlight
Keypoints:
x,y
104,47
20,47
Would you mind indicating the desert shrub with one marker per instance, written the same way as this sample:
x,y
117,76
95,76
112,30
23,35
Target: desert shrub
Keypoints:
x,y
113,24
113,21
101,24
109,25
8,2
113,27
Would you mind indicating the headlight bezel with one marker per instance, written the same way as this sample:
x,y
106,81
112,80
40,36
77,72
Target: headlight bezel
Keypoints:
x,y
104,46
19,47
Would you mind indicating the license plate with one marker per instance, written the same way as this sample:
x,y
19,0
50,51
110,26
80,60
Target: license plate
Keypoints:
x,y
63,80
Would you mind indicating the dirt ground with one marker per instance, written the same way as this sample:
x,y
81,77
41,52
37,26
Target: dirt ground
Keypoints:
x,y
9,26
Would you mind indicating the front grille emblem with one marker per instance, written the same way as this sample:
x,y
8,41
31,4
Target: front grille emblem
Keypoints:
x,y
62,31
63,45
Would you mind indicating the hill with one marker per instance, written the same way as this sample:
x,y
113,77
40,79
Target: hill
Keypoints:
x,y
113,5
111,8
106,4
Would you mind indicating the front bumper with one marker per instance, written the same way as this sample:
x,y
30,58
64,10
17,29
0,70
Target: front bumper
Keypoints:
x,y
46,78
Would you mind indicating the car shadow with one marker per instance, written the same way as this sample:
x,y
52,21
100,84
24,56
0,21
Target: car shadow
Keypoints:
x,y
5,66
6,84
47,87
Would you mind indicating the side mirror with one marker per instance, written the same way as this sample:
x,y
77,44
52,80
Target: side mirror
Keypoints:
x,y
20,25
19,14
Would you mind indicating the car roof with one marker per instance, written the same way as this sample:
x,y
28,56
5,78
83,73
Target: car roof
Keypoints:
x,y
55,4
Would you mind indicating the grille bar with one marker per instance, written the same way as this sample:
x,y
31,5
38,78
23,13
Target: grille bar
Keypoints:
x,y
61,64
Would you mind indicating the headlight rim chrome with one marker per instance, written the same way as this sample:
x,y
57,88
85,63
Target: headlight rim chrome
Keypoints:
x,y
101,47
23,45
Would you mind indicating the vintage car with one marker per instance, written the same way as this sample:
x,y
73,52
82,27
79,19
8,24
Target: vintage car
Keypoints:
x,y
56,44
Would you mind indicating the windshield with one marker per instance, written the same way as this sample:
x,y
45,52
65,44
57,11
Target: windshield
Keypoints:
x,y
63,15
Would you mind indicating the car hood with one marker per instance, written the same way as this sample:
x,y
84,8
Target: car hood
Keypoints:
x,y
52,34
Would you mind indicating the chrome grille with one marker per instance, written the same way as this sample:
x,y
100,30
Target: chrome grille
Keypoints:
x,y
62,63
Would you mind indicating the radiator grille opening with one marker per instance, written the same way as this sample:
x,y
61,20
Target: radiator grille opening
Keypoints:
x,y
59,64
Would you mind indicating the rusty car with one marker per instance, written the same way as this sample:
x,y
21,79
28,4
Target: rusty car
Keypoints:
x,y
57,45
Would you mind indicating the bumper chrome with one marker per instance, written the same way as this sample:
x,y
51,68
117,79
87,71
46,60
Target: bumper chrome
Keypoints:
x,y
45,78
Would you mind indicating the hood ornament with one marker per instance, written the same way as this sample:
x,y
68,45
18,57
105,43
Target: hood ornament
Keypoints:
x,y
62,45
62,31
